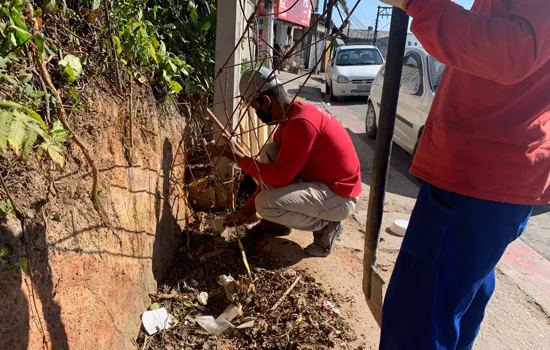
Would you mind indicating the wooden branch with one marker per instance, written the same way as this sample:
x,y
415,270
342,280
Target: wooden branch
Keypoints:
x,y
223,130
286,293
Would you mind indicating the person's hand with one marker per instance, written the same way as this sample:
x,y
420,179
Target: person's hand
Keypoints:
x,y
224,148
241,217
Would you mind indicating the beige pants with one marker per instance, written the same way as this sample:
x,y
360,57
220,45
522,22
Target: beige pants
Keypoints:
x,y
306,206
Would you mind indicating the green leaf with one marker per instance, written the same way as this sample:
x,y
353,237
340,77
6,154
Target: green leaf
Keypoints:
x,y
75,66
24,263
194,15
29,142
37,94
36,117
170,26
4,62
39,42
22,35
56,154
175,87
57,217
5,128
118,46
50,6
3,252
71,76
205,25
38,12
153,53
154,306
96,4
74,94
25,77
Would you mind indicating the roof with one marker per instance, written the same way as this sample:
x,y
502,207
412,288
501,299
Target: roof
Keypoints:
x,y
365,33
357,47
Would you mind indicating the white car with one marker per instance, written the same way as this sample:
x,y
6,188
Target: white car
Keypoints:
x,y
352,71
419,80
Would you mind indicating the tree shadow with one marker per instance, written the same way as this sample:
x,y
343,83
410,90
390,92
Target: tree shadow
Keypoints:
x,y
167,233
15,305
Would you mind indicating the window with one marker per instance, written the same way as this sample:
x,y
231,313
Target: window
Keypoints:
x,y
358,57
411,77
435,72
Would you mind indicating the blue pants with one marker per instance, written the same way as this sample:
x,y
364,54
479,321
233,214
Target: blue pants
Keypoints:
x,y
444,275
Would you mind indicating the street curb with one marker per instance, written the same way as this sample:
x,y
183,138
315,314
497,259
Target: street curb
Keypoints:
x,y
530,271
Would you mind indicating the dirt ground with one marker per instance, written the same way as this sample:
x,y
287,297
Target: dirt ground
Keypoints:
x,y
514,319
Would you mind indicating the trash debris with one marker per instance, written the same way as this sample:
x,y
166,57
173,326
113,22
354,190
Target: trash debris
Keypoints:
x,y
203,298
330,306
222,323
216,224
231,312
399,227
213,326
229,285
155,320
248,324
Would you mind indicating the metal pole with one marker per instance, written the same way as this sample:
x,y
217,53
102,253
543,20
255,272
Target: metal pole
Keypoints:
x,y
384,137
375,37
268,31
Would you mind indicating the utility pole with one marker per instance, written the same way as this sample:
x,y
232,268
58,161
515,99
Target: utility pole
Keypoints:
x,y
267,35
383,11
328,28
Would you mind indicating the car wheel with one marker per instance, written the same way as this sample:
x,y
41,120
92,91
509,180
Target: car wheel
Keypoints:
x,y
332,97
370,122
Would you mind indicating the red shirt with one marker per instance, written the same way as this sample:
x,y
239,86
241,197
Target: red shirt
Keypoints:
x,y
314,145
488,131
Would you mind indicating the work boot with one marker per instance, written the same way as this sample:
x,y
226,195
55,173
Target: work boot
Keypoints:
x,y
256,238
265,227
323,240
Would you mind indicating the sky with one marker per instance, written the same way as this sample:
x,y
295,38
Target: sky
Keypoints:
x,y
365,14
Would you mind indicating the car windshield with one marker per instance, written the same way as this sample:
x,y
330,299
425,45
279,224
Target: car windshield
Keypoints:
x,y
435,71
358,57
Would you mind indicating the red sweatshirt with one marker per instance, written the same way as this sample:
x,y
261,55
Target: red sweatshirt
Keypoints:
x,y
488,131
314,145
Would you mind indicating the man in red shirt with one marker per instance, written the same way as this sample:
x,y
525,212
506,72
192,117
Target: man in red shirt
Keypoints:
x,y
309,176
484,157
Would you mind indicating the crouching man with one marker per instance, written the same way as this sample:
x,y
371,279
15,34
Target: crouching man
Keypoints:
x,y
309,176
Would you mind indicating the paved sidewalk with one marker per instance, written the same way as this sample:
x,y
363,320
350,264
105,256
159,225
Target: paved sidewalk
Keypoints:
x,y
518,317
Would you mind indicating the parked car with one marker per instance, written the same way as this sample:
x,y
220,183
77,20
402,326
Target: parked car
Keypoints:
x,y
352,70
419,80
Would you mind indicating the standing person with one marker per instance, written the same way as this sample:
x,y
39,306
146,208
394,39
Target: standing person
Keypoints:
x,y
309,175
484,157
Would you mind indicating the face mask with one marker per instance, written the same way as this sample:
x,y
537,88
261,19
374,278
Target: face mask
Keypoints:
x,y
265,117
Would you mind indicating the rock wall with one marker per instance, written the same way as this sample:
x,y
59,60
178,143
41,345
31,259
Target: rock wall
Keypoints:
x,y
90,283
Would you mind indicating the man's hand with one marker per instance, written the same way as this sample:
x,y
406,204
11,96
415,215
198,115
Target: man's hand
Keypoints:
x,y
241,217
227,149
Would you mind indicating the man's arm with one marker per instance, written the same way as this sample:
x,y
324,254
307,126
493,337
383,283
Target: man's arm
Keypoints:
x,y
504,50
295,149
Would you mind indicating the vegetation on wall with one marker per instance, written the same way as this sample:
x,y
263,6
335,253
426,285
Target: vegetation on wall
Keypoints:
x,y
51,49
